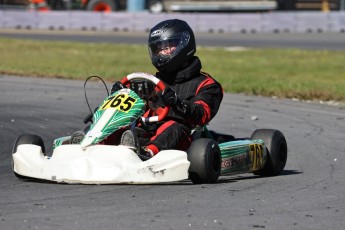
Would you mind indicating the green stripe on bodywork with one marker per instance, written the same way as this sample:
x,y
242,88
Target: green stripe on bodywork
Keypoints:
x,y
120,119
236,157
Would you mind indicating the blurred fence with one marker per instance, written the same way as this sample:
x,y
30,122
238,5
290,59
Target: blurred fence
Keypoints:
x,y
276,22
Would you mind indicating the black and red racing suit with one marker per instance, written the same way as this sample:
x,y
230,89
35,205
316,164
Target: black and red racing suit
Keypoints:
x,y
200,95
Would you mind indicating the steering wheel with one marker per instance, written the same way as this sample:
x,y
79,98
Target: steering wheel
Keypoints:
x,y
159,87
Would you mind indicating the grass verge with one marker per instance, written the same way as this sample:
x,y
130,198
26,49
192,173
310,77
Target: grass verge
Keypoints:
x,y
290,73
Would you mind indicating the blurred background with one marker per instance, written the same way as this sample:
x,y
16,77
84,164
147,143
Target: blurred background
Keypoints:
x,y
159,6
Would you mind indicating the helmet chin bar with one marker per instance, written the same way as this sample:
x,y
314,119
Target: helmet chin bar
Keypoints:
x,y
163,60
159,87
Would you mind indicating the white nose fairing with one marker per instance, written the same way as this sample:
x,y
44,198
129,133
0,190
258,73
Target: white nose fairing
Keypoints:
x,y
100,164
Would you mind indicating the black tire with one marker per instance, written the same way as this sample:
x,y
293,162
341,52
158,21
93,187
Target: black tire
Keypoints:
x,y
27,139
101,5
205,161
276,146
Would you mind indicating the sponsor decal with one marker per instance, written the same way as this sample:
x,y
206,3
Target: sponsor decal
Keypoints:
x,y
93,134
233,161
156,33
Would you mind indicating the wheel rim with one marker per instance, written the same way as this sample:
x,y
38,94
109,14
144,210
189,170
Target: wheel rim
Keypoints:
x,y
102,7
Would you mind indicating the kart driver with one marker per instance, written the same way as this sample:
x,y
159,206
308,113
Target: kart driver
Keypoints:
x,y
194,97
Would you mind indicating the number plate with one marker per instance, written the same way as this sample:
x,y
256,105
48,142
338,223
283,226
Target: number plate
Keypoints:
x,y
122,102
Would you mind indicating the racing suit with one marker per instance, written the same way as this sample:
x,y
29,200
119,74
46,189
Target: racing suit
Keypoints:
x,y
199,100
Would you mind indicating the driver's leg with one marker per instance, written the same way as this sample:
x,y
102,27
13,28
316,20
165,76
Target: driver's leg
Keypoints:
x,y
170,135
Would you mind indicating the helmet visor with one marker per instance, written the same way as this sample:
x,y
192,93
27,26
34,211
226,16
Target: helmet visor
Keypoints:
x,y
169,47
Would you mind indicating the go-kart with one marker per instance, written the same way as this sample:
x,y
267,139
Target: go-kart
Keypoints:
x,y
90,161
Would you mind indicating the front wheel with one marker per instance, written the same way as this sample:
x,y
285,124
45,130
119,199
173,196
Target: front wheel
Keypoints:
x,y
276,146
27,139
205,161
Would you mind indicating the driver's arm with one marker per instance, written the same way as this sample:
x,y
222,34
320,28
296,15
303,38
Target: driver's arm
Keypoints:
x,y
203,107
200,109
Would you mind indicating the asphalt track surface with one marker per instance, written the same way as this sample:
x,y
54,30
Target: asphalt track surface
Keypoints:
x,y
314,41
308,195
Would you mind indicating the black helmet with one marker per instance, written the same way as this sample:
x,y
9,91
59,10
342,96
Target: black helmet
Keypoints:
x,y
176,33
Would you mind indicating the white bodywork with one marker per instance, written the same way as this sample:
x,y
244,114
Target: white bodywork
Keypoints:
x,y
100,164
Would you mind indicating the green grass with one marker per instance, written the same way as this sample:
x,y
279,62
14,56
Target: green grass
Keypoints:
x,y
303,74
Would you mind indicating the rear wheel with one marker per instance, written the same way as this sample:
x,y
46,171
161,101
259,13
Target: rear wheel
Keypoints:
x,y
205,161
276,146
27,139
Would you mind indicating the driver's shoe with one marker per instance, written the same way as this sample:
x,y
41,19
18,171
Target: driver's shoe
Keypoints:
x,y
128,139
145,154
77,137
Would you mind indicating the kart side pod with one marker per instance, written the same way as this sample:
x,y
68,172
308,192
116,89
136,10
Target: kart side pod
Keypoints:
x,y
264,154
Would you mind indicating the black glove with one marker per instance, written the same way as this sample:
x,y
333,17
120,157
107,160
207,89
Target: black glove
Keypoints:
x,y
117,86
145,89
182,107
168,96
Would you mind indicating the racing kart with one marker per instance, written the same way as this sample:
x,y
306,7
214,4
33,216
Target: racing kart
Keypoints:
x,y
90,161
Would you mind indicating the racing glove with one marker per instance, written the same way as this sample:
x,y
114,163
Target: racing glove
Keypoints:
x,y
145,89
117,86
182,107
169,97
